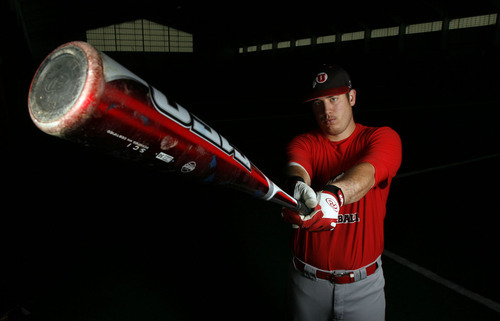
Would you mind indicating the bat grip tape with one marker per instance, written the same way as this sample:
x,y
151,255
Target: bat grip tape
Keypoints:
x,y
302,209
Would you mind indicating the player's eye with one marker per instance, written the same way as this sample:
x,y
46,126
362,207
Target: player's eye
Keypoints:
x,y
317,103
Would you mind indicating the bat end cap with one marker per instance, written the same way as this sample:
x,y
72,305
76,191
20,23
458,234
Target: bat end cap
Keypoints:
x,y
62,82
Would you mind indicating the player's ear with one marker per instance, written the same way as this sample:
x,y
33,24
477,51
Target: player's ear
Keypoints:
x,y
352,97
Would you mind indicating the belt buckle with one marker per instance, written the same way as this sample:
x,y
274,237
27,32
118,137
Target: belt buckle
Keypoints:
x,y
337,275
341,274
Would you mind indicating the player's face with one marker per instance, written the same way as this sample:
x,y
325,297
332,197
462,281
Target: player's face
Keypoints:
x,y
334,115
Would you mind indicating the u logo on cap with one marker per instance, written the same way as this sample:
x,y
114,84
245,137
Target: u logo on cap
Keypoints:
x,y
320,78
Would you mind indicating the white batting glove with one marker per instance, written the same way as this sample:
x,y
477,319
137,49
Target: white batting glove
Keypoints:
x,y
305,194
325,214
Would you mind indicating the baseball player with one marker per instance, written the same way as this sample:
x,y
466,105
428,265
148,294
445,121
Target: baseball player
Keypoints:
x,y
343,171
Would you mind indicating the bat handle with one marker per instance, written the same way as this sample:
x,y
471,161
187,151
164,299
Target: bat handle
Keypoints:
x,y
277,195
302,209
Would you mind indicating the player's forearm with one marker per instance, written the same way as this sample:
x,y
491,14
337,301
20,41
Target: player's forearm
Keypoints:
x,y
356,182
294,170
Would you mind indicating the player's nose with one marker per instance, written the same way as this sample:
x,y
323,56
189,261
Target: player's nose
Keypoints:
x,y
327,107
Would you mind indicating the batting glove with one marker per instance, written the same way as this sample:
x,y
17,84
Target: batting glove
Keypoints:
x,y
302,192
325,214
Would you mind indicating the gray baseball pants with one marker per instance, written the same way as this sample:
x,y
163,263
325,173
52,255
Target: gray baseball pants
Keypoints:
x,y
320,300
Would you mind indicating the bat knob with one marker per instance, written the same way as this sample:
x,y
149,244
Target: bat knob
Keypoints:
x,y
64,87
59,83
302,209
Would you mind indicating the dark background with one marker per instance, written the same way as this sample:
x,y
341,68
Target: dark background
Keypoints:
x,y
85,236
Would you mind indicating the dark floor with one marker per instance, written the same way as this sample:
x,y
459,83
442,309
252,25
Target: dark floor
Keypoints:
x,y
106,266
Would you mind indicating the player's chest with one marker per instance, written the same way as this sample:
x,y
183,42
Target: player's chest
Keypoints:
x,y
336,158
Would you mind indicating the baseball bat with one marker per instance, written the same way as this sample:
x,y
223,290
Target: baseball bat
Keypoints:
x,y
82,95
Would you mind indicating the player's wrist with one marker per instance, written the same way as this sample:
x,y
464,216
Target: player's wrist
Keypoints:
x,y
290,184
295,179
336,191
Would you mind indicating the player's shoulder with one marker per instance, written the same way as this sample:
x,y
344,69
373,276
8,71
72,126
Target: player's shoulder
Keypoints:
x,y
314,135
384,131
308,140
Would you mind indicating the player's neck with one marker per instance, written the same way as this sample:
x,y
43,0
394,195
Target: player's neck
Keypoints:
x,y
344,134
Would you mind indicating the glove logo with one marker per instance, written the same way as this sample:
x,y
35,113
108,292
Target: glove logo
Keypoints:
x,y
333,204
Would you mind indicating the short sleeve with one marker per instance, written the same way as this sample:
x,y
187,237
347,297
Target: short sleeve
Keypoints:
x,y
384,152
299,153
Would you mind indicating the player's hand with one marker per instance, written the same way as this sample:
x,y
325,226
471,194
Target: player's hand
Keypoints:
x,y
324,216
304,193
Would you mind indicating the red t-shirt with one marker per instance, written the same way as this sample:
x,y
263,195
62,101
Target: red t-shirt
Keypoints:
x,y
358,238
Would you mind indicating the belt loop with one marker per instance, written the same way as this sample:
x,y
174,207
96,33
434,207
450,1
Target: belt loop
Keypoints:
x,y
361,275
310,272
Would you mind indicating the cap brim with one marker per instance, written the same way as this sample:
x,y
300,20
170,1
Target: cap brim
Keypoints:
x,y
327,92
